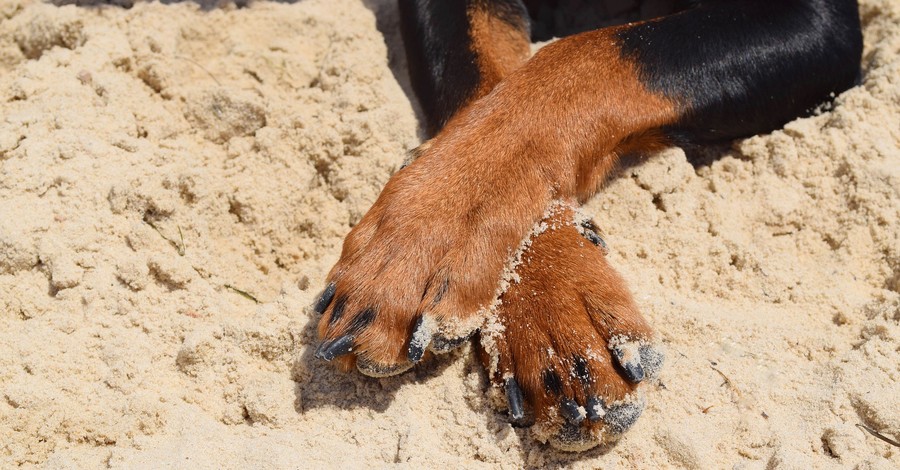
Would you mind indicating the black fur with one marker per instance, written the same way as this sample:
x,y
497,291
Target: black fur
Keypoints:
x,y
552,382
737,67
559,18
338,311
442,62
742,67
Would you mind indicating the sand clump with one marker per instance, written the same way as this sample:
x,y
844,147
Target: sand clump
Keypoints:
x,y
156,161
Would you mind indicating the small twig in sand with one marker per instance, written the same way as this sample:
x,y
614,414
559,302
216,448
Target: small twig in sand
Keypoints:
x,y
727,380
878,435
180,235
179,248
242,293
200,66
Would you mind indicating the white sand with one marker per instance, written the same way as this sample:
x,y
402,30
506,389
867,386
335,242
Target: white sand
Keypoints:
x,y
252,138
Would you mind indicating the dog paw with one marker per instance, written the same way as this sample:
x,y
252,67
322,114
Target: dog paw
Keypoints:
x,y
420,271
566,347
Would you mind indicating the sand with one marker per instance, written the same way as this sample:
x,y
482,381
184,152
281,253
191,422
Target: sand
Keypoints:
x,y
159,162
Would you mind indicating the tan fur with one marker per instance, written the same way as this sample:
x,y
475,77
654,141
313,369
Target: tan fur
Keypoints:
x,y
553,128
570,301
499,47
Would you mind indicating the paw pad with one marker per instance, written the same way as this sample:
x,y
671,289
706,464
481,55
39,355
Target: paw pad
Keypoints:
x,y
638,359
374,369
621,417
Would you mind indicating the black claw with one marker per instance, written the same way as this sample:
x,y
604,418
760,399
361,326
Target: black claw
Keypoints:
x,y
332,349
594,238
569,410
595,408
514,399
591,233
338,311
418,343
415,353
633,369
552,382
325,298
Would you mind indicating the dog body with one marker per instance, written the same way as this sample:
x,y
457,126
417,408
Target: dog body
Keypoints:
x,y
517,140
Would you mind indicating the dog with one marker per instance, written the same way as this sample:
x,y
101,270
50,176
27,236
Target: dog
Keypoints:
x,y
480,231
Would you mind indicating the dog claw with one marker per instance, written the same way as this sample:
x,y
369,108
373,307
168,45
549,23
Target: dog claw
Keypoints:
x,y
329,350
595,409
415,353
591,233
595,239
618,419
570,410
514,399
421,337
630,362
325,298
634,371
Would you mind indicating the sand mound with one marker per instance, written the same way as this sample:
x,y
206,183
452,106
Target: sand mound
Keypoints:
x,y
176,180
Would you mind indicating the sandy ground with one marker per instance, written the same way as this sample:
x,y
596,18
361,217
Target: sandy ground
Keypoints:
x,y
157,161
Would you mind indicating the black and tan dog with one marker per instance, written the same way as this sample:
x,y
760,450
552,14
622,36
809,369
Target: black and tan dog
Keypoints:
x,y
512,137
